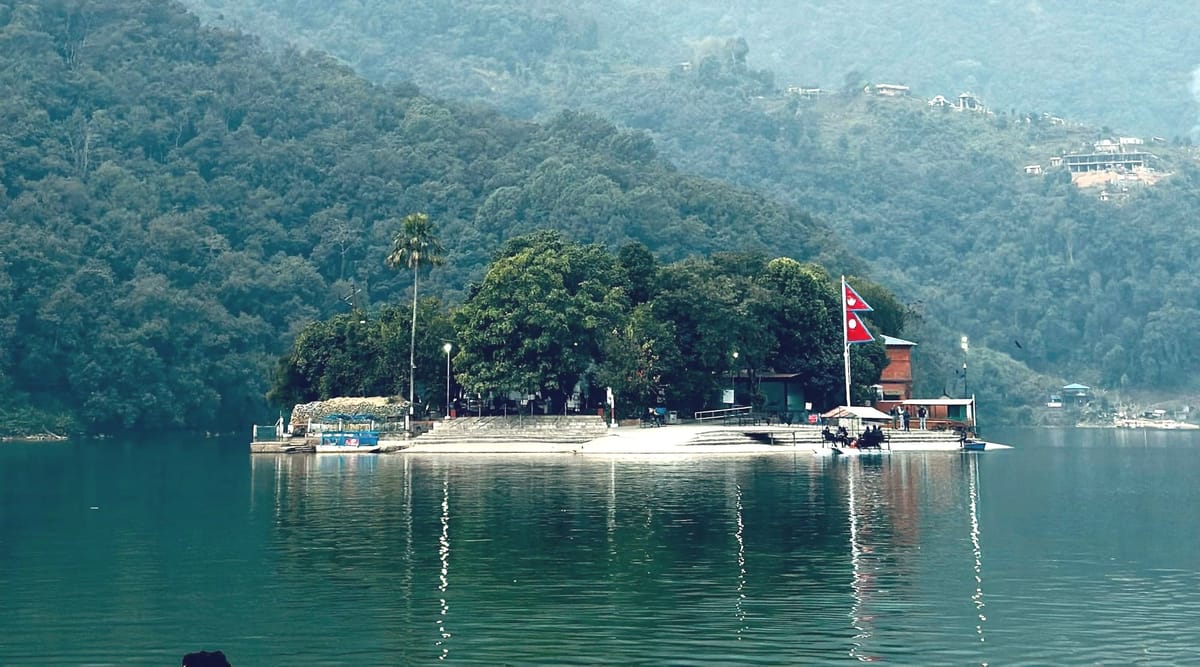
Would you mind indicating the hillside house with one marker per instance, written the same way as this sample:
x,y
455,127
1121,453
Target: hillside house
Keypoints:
x,y
805,92
1079,394
887,90
1105,160
1033,169
968,102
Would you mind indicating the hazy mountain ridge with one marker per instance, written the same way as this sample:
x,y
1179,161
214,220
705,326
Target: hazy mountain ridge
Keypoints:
x,y
937,199
1131,67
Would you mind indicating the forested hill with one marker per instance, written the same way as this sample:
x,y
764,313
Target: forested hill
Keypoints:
x,y
175,202
1039,273
1129,65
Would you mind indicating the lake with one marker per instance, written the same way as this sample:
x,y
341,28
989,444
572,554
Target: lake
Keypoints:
x,y
1075,547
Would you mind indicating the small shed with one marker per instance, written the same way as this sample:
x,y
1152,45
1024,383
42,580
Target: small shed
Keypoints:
x,y
944,413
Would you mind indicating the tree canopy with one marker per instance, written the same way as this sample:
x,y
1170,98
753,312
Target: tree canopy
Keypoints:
x,y
177,203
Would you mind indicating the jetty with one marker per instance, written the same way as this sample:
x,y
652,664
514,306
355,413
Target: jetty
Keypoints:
x,y
590,434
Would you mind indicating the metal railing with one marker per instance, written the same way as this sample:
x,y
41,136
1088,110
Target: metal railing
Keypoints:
x,y
723,413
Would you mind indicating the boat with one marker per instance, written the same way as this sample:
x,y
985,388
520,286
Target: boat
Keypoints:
x,y
352,434
349,442
972,445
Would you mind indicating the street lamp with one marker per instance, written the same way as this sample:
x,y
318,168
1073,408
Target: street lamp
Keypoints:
x,y
733,381
964,344
446,348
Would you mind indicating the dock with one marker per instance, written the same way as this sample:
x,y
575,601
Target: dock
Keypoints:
x,y
584,434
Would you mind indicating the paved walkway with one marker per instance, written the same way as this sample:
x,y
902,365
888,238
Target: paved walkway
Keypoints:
x,y
685,439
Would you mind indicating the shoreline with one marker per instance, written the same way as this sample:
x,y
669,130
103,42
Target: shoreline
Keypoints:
x,y
634,440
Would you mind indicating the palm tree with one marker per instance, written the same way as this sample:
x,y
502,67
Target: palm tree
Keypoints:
x,y
413,247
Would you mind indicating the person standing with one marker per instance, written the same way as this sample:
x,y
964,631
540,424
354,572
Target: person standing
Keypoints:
x,y
922,414
904,418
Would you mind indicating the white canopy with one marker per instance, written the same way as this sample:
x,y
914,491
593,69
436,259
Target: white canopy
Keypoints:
x,y
938,401
857,412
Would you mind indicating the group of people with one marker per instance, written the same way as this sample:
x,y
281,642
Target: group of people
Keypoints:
x,y
901,417
871,438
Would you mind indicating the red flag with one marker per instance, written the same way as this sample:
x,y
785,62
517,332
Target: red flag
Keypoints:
x,y
856,331
853,300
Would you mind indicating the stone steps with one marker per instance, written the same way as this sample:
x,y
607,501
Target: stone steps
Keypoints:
x,y
525,428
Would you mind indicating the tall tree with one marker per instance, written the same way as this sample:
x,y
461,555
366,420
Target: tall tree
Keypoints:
x,y
415,246
539,318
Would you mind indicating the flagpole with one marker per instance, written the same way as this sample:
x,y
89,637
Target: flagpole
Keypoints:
x,y
845,340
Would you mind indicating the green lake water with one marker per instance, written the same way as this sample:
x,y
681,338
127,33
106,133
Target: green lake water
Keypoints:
x,y
1075,547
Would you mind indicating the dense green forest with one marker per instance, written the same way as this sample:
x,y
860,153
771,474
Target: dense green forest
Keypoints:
x,y
564,321
1040,274
177,203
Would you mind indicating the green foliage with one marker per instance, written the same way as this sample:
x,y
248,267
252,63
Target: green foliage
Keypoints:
x,y
539,317
364,354
551,314
176,203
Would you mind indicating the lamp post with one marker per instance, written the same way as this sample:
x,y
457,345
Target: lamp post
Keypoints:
x,y
964,344
733,381
446,348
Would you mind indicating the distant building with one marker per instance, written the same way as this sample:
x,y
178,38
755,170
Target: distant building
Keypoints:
x,y
805,92
968,102
940,102
1104,160
1056,161
896,381
1033,169
1076,393
887,90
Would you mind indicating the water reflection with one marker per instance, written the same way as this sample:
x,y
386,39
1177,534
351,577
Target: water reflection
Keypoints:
x,y
444,575
913,523
861,512
976,545
739,535
567,553
768,560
